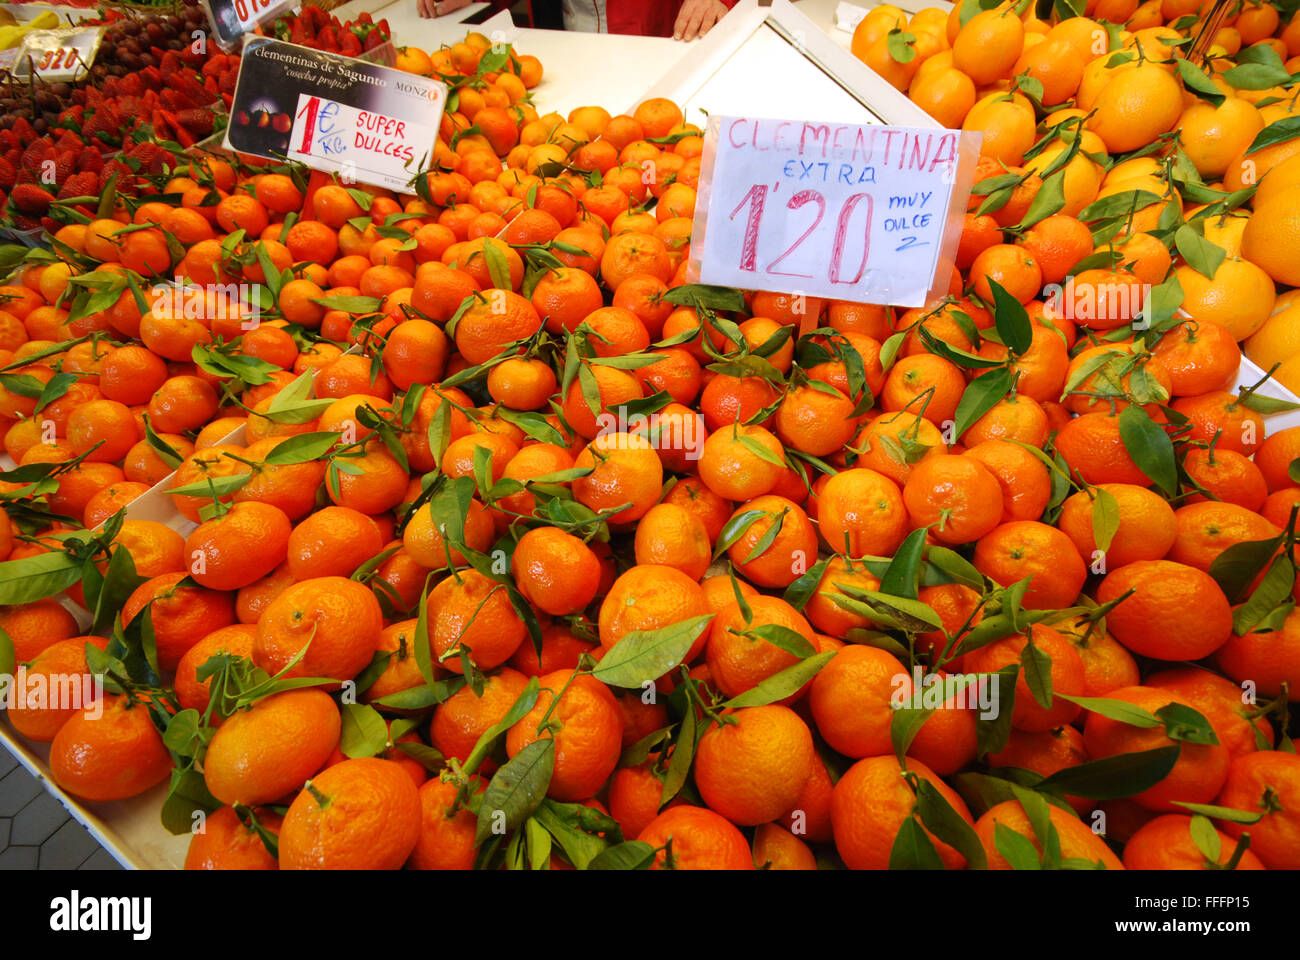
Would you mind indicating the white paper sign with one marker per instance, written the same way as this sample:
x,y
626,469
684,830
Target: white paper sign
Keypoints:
x,y
64,54
372,147
831,210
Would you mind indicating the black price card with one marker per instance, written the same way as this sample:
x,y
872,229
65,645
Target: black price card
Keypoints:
x,y
367,123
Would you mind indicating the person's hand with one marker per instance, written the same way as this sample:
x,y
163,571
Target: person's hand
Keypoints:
x,y
437,8
696,18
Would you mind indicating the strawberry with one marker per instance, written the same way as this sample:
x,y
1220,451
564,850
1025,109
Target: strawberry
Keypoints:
x,y
197,121
125,177
35,155
84,184
90,161
132,85
188,85
8,174
25,223
151,156
31,200
65,165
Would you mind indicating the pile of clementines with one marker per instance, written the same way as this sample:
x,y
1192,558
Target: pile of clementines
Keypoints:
x,y
506,545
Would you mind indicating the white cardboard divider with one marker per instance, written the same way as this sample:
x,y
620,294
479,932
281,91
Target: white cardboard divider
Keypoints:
x,y
777,62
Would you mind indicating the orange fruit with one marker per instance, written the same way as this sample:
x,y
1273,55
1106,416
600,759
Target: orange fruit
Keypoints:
x,y
752,769
956,496
181,615
988,45
263,753
851,700
358,814
474,615
1077,841
462,718
225,843
701,840
648,597
1165,843
1135,106
1045,752
1268,783
447,838
242,545
34,627
861,512
1092,447
626,472
1268,659
1146,529
340,618
894,443
1272,234
738,657
1026,548
109,750
193,694
555,571
1196,776
671,535
1024,481
1238,724
1207,528
427,546
783,559
32,712
1067,676
332,542
1176,612
871,802
589,739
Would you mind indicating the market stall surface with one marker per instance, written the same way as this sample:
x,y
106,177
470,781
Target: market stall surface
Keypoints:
x,y
36,833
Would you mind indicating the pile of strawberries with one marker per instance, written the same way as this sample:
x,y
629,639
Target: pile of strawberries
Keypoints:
x,y
112,131
315,28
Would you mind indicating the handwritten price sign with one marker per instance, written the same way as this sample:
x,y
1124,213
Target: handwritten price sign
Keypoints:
x,y
370,146
864,213
56,55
